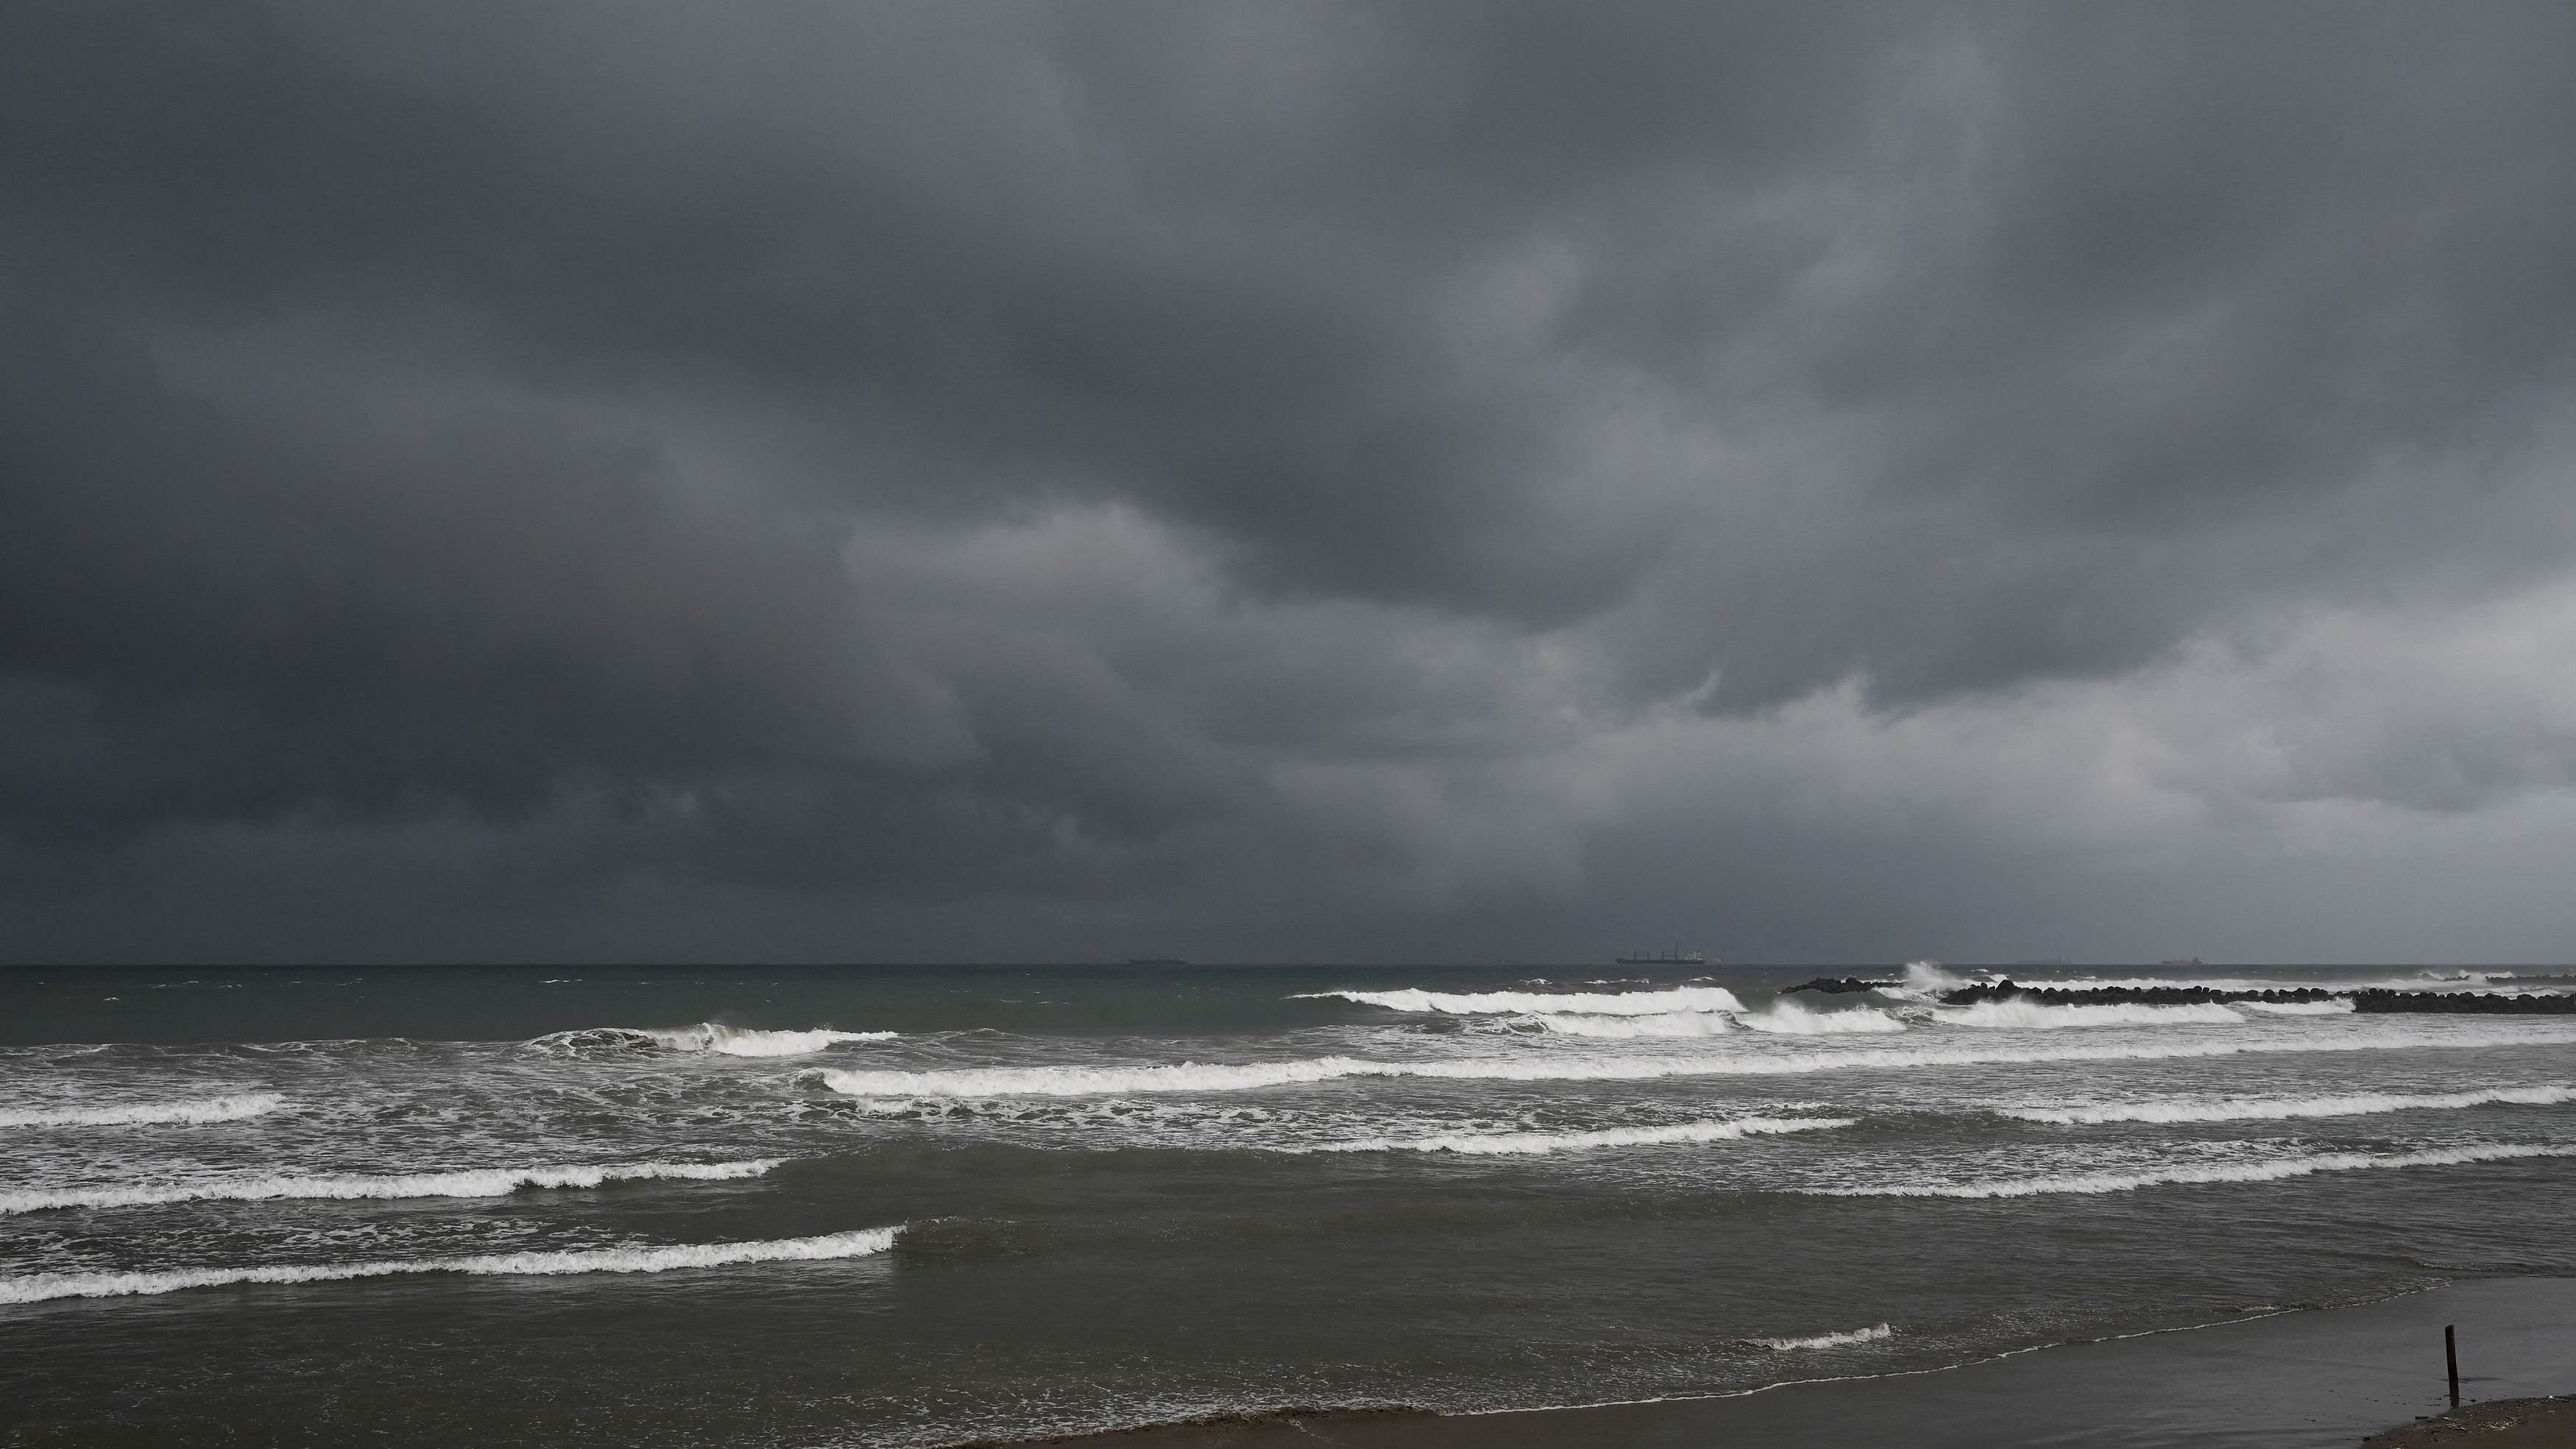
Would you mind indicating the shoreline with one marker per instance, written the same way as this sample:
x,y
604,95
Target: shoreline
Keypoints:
x,y
2327,1378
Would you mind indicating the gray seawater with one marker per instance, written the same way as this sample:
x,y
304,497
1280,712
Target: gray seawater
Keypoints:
x,y
921,1207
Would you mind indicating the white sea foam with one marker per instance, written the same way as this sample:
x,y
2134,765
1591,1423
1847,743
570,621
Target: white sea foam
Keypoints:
x,y
2244,1109
1101,1081
1830,1340
743,1041
2019,1015
856,1244
231,1108
2340,1006
1532,1144
1788,1018
477,1182
1539,1066
2272,1171
1663,1024
732,1041
1926,978
1584,1003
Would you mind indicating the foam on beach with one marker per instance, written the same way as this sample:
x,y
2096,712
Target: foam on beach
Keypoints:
x,y
1845,1339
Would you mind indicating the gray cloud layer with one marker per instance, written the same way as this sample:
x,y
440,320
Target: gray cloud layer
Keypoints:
x,y
1273,481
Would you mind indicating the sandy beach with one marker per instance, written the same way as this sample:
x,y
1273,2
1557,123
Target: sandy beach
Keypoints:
x,y
2505,1424
2322,1379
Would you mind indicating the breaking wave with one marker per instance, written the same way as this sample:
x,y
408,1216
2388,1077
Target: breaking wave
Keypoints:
x,y
2273,1171
476,1182
1547,1066
2273,1109
741,1041
1663,1024
1101,1081
857,1244
732,1041
1532,1144
1582,1003
1830,1340
1787,1018
2015,1015
2340,1006
135,1114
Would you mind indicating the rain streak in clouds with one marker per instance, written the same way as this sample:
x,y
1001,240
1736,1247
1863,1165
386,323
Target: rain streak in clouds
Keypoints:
x,y
1258,481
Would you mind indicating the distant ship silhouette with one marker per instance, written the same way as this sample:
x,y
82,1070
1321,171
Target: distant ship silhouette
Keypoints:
x,y
1674,957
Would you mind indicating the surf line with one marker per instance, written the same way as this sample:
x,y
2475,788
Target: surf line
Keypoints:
x,y
2213,1174
855,1244
1090,1081
472,1182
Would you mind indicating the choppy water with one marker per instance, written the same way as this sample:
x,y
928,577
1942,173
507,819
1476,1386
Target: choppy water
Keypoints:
x,y
918,1207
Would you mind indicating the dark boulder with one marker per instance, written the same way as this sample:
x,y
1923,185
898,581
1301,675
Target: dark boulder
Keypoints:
x,y
2127,995
2462,1003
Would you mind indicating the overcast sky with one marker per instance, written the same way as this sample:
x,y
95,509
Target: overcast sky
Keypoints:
x,y
1287,481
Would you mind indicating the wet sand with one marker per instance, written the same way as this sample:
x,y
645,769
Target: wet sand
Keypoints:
x,y
2509,1424
2311,1380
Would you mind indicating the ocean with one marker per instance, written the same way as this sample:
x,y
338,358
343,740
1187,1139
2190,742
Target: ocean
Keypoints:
x,y
920,1207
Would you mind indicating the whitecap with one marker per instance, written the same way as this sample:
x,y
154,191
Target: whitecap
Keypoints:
x,y
1100,1081
1546,1066
743,1041
472,1182
2274,1170
1663,1024
1584,1003
2262,1109
732,1041
230,1108
1786,1017
1530,1144
2018,1014
856,1244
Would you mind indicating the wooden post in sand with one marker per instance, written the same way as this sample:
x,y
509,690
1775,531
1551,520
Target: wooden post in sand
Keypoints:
x,y
2451,1356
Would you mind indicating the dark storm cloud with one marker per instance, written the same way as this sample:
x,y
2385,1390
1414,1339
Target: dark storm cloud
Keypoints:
x,y
1213,455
